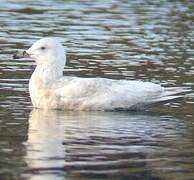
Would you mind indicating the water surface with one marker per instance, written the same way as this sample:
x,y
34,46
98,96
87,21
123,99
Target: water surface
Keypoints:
x,y
118,39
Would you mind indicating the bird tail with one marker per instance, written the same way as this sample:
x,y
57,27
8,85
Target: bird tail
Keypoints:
x,y
171,93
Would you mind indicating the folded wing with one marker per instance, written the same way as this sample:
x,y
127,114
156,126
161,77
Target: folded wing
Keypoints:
x,y
107,94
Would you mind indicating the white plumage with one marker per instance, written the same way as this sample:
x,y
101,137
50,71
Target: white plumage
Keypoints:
x,y
49,89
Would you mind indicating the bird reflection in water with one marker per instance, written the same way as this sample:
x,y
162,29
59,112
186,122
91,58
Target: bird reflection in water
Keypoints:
x,y
92,144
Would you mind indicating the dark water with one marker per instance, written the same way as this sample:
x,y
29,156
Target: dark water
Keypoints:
x,y
120,39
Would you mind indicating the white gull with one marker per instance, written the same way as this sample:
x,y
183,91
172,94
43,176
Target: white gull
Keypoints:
x,y
49,89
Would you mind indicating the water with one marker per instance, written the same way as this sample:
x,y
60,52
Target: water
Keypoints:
x,y
119,39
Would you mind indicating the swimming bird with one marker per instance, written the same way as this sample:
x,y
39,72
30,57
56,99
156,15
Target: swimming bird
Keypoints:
x,y
49,89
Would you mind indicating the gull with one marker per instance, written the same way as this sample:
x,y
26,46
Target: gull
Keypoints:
x,y
49,89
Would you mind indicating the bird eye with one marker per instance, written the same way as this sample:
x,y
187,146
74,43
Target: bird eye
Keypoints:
x,y
42,48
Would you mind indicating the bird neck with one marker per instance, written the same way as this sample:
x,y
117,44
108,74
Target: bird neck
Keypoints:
x,y
48,73
50,68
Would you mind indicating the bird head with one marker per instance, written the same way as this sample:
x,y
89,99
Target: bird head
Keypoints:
x,y
46,51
